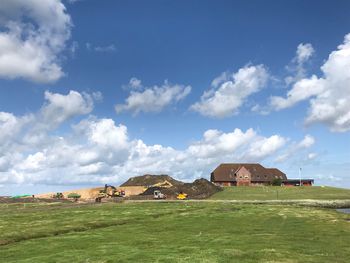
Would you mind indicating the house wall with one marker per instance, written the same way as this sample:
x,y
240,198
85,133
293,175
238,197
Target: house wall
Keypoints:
x,y
225,183
259,183
243,177
307,184
303,183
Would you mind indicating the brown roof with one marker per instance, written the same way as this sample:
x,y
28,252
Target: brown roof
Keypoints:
x,y
275,172
226,171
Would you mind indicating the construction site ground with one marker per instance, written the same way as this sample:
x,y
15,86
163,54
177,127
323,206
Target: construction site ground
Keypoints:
x,y
141,188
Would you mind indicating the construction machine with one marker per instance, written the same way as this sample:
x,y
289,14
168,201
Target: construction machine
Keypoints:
x,y
109,191
181,196
157,194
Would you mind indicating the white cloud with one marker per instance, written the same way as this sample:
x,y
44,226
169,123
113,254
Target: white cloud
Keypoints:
x,y
297,67
135,83
264,147
306,142
62,107
9,126
229,91
297,149
328,95
311,156
304,52
108,48
153,99
74,47
302,90
100,151
34,33
30,132
74,1
216,142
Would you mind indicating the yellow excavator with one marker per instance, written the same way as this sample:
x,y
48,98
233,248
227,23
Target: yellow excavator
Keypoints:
x,y
181,196
109,191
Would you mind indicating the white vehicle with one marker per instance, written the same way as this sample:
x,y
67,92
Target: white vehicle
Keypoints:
x,y
157,194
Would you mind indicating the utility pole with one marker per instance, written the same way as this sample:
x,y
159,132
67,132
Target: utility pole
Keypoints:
x,y
300,176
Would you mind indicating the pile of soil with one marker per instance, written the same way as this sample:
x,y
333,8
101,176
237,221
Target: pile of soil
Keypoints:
x,y
149,180
199,189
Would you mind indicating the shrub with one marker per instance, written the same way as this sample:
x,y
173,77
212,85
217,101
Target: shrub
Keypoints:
x,y
277,182
75,196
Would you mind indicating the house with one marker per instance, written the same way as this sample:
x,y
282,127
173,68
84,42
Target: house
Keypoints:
x,y
247,174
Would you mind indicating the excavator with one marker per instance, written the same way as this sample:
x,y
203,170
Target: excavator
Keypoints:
x,y
181,196
109,191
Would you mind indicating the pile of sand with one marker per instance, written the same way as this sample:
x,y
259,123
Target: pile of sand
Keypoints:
x,y
92,193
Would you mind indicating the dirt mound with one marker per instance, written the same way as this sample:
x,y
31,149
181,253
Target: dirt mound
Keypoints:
x,y
199,189
150,180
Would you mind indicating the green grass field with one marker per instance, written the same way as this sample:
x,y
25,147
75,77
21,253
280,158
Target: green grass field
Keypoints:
x,y
172,232
282,193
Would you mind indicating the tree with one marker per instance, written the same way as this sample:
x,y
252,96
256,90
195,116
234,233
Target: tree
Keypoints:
x,y
277,182
75,196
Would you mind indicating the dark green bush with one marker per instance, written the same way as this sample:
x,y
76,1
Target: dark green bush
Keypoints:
x,y
276,182
75,196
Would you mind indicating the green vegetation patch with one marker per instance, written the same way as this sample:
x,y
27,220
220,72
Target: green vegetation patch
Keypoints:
x,y
281,193
174,232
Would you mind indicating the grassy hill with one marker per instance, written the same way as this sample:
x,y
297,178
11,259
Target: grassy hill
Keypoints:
x,y
282,193
172,232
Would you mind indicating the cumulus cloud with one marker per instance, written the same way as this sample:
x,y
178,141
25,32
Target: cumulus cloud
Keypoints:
x,y
59,108
152,99
264,147
230,90
302,90
328,95
216,142
31,130
99,150
33,34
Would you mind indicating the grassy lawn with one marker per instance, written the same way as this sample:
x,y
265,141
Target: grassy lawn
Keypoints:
x,y
172,232
282,193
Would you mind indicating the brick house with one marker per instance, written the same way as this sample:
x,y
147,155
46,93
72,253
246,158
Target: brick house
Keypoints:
x,y
245,174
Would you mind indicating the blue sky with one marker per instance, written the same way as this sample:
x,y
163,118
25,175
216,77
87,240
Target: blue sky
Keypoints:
x,y
94,92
